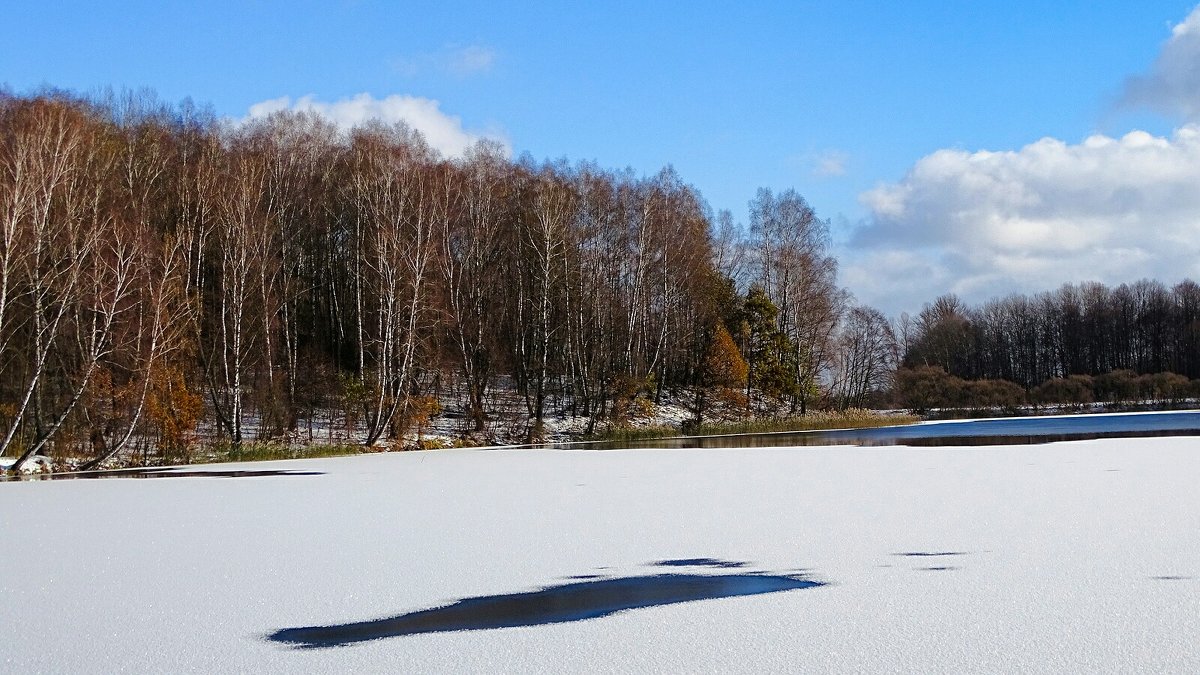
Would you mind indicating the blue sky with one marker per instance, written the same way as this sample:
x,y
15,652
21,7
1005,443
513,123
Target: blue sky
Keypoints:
x,y
841,100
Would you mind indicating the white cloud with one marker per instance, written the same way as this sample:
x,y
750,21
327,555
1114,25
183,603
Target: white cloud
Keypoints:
x,y
984,224
830,164
471,59
444,133
1173,84
453,59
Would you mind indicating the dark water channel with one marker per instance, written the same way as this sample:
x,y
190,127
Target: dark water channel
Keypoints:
x,y
163,472
999,431
578,600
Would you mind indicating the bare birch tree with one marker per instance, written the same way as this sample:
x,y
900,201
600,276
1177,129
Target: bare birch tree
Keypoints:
x,y
471,252
399,204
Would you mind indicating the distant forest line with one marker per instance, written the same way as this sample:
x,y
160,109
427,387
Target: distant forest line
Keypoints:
x,y
1081,343
169,279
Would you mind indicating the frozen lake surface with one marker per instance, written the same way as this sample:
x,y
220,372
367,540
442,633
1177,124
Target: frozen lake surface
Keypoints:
x,y
1064,557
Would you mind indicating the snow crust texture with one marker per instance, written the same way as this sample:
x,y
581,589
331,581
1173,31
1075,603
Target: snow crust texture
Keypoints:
x,y
1068,557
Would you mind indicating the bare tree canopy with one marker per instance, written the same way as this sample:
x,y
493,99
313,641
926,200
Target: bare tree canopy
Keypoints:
x,y
169,280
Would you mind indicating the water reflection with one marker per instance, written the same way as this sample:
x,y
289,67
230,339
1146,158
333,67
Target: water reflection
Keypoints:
x,y
1002,431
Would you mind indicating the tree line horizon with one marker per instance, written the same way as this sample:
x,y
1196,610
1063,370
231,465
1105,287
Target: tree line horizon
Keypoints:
x,y
1078,344
163,272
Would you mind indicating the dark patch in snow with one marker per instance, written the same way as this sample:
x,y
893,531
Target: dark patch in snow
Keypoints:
x,y
178,472
930,554
1172,577
700,562
939,568
576,601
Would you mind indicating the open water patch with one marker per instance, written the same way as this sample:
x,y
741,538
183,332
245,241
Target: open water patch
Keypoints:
x,y
949,433
701,562
170,472
575,601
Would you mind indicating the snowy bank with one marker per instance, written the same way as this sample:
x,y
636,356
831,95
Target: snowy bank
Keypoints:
x,y
35,464
1069,557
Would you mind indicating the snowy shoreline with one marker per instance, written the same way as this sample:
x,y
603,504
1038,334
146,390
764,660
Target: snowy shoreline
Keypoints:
x,y
1077,556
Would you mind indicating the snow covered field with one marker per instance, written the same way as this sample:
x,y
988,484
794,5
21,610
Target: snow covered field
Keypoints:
x,y
1069,557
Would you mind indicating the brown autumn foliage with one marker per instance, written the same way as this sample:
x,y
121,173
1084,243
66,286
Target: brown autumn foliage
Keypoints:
x,y
723,364
173,412
164,274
